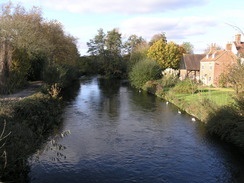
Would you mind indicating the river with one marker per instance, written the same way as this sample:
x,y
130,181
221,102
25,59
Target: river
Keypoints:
x,y
114,134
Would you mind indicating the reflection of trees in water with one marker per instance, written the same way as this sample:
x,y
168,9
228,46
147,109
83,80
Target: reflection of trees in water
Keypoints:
x,y
56,149
70,93
143,99
109,89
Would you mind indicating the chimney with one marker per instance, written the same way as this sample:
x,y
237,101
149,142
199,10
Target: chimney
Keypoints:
x,y
228,47
238,38
213,47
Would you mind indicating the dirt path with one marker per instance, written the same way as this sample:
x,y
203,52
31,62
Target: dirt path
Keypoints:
x,y
31,89
220,89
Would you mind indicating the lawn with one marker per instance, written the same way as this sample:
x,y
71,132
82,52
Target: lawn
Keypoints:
x,y
221,98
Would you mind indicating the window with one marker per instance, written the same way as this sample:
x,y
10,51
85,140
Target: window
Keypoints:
x,y
209,78
202,66
210,67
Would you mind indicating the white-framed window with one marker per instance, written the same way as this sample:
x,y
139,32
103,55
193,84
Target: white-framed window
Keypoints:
x,y
202,66
209,78
210,67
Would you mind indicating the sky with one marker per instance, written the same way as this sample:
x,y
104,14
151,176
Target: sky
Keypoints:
x,y
200,22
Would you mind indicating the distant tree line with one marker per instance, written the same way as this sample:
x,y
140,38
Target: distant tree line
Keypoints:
x,y
114,58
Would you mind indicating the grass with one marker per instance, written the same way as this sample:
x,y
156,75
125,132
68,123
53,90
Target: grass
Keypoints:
x,y
213,106
221,98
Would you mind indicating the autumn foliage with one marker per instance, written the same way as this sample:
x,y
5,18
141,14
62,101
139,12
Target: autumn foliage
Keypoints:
x,y
167,55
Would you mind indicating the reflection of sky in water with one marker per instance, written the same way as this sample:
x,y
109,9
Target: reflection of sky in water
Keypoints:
x,y
120,135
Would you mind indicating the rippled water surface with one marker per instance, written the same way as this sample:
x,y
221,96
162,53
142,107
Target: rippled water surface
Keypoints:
x,y
121,135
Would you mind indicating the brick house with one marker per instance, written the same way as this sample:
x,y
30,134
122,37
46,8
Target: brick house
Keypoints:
x,y
215,63
190,66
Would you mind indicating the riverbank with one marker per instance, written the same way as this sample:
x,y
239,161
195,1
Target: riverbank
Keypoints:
x,y
219,110
26,123
32,88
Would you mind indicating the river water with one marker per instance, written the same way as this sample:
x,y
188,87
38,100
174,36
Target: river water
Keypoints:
x,y
113,133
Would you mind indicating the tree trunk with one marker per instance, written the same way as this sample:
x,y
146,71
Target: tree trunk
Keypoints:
x,y
5,62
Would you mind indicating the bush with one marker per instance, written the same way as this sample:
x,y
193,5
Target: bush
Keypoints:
x,y
185,86
150,86
62,74
30,121
144,71
201,108
113,67
169,80
239,99
139,53
88,65
37,111
228,125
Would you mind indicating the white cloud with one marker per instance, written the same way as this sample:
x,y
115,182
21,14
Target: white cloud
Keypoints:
x,y
175,28
117,6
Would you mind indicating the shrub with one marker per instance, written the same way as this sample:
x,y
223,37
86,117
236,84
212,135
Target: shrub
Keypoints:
x,y
239,99
144,71
62,74
150,86
202,108
139,53
154,87
37,111
88,65
185,86
169,80
228,125
30,121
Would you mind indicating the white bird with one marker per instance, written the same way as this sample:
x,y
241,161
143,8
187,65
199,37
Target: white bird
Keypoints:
x,y
179,111
193,119
140,91
167,102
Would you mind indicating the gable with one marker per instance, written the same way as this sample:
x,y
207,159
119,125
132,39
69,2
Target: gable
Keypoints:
x,y
220,56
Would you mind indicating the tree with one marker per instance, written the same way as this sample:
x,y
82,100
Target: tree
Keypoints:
x,y
132,42
157,37
96,46
139,53
62,47
113,42
20,32
188,47
166,55
106,51
143,71
27,42
235,77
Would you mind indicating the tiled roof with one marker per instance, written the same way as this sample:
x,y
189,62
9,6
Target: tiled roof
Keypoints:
x,y
220,55
191,61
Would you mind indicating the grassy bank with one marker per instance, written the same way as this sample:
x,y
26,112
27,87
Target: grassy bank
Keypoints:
x,y
26,124
221,110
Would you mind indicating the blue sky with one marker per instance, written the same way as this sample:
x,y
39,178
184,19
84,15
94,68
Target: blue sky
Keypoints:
x,y
200,22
